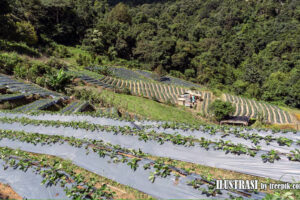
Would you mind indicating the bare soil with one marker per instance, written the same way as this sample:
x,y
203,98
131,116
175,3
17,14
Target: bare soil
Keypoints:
x,y
6,192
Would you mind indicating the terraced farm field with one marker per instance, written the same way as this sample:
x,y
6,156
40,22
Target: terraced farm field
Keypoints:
x,y
143,75
17,86
46,100
251,108
135,154
165,93
151,90
123,151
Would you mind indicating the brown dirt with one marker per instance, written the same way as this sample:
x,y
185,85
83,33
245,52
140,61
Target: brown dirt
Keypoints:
x,y
6,192
297,116
216,173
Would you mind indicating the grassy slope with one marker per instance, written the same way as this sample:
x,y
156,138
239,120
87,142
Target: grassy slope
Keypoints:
x,y
141,106
144,107
155,110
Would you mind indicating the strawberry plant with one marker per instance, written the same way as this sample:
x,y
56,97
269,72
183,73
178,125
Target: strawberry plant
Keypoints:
x,y
284,141
55,174
295,156
270,157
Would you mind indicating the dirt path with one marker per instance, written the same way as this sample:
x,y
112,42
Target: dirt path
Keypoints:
x,y
167,92
6,192
150,90
158,92
251,108
272,114
242,109
256,106
224,97
139,89
277,113
155,90
207,102
247,109
268,112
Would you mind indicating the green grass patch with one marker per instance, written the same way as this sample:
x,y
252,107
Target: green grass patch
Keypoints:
x,y
138,105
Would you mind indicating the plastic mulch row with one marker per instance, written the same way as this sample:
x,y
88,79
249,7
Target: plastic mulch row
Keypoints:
x,y
282,169
165,188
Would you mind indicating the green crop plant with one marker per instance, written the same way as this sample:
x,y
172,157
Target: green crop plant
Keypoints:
x,y
271,156
295,156
284,141
55,174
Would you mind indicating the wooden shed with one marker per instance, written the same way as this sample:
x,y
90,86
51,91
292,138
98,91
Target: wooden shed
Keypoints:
x,y
184,99
236,120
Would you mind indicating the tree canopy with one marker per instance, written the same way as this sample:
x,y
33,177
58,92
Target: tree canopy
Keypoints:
x,y
249,48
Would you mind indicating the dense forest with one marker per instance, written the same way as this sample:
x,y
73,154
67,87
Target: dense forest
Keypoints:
x,y
250,48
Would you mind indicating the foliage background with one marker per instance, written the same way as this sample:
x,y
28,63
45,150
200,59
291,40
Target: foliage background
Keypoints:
x,y
250,48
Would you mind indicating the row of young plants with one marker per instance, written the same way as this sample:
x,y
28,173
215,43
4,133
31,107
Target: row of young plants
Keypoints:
x,y
37,105
253,137
16,85
87,114
161,138
57,174
148,89
272,113
211,129
216,128
117,154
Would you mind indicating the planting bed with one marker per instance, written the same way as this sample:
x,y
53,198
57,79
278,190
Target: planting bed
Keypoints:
x,y
123,165
12,97
6,192
251,108
161,92
123,151
74,107
232,151
142,75
18,86
28,184
37,105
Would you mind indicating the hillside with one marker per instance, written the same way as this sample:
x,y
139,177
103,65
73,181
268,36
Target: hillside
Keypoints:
x,y
95,98
248,48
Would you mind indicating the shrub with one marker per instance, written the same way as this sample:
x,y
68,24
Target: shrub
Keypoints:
x,y
189,73
57,64
154,98
160,71
169,103
58,80
64,52
221,109
103,70
217,92
20,48
133,65
20,71
126,91
177,74
83,60
26,32
40,81
8,62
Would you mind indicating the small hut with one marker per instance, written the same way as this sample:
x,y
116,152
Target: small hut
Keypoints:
x,y
236,120
184,99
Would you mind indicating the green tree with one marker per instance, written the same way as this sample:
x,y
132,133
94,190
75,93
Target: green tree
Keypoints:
x,y
220,109
120,13
26,32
